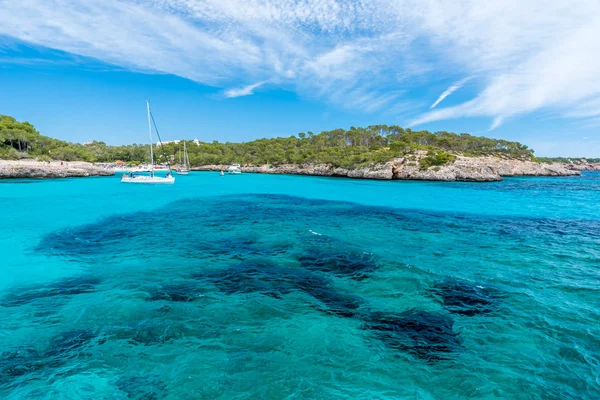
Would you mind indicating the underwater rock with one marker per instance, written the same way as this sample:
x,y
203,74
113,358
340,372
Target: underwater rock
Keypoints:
x,y
240,248
271,280
23,361
71,344
464,298
353,265
153,335
335,302
19,362
231,247
428,336
251,277
142,387
63,287
180,292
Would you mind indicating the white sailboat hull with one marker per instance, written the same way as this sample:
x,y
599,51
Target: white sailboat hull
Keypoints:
x,y
128,170
149,180
182,172
152,179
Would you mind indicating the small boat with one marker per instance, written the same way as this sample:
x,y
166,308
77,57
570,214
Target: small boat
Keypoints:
x,y
150,179
156,180
234,169
186,162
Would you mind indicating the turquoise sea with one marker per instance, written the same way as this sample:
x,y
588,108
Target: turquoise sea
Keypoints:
x,y
286,287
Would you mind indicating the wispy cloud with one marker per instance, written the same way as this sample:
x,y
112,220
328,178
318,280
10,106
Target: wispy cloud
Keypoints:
x,y
589,123
547,63
451,89
369,55
243,91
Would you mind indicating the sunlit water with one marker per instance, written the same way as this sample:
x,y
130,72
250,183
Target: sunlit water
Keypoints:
x,y
275,287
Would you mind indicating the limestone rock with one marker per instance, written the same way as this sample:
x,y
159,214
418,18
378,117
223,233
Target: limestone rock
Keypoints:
x,y
457,171
467,169
20,169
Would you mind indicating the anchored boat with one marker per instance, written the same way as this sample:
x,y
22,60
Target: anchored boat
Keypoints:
x,y
186,162
234,169
150,179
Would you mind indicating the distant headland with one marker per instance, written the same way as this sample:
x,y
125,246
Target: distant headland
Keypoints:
x,y
374,152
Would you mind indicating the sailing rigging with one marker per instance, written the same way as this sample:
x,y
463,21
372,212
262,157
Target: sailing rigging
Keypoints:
x,y
185,169
152,179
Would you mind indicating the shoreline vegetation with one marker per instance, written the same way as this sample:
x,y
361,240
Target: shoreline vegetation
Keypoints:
x,y
374,152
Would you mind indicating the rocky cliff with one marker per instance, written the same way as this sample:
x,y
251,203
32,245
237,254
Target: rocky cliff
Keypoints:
x,y
469,169
480,169
583,166
54,169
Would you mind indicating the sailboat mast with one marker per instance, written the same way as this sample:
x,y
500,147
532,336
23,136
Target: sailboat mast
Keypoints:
x,y
150,134
185,157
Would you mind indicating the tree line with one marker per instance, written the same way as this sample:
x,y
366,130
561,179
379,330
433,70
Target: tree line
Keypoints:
x,y
569,160
338,147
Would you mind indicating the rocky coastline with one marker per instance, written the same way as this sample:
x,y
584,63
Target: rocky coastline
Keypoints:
x,y
583,166
464,169
21,169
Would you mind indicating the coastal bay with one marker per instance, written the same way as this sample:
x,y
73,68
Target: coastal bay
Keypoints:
x,y
299,200
377,152
266,283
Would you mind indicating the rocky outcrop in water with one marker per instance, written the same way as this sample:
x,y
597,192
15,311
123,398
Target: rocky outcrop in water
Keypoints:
x,y
508,167
582,165
462,169
54,169
468,169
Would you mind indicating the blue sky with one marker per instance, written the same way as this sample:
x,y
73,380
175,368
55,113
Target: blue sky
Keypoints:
x,y
235,70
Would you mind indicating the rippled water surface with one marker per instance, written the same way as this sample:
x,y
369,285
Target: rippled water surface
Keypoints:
x,y
278,287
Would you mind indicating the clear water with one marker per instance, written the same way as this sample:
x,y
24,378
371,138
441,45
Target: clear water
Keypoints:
x,y
275,287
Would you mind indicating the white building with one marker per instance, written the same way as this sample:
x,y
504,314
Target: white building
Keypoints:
x,y
195,141
167,142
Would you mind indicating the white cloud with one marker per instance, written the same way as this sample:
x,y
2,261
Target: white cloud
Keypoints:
x,y
451,89
546,62
243,91
528,55
590,123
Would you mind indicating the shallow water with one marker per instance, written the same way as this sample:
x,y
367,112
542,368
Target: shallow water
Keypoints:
x,y
258,286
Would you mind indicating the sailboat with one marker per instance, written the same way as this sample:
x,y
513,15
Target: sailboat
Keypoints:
x,y
186,162
151,179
